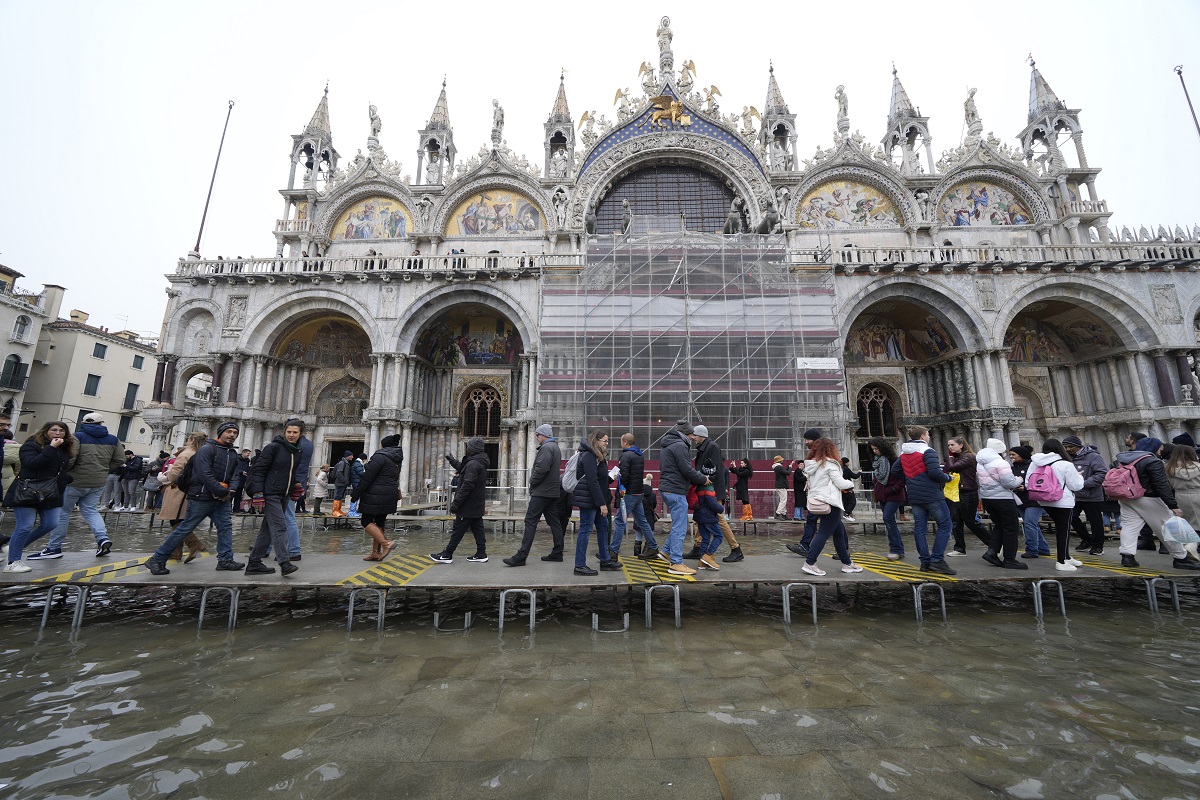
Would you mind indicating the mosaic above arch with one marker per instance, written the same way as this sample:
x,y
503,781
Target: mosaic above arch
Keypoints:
x,y
1049,330
904,333
982,204
847,204
466,334
325,342
373,218
495,212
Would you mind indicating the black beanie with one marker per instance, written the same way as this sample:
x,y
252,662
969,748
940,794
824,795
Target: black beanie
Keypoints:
x,y
1023,450
1184,439
812,434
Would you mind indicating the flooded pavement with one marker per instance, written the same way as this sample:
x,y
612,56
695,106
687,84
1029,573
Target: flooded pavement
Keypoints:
x,y
1104,704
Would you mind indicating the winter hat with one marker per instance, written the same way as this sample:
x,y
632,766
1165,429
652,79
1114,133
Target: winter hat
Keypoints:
x,y
347,454
390,441
1072,440
997,445
475,444
1183,439
1148,445
1023,450
701,431
684,427
94,418
544,430
163,454
225,426
812,434
780,458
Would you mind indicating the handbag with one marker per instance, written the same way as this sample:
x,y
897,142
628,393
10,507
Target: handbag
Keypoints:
x,y
818,507
34,491
950,490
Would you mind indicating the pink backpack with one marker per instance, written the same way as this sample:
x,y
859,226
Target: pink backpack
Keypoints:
x,y
1043,484
1122,483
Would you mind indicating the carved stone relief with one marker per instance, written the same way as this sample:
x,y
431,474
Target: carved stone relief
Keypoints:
x,y
1166,303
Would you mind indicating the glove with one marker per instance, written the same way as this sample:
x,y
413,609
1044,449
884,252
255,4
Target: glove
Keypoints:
x,y
259,502
454,510
297,492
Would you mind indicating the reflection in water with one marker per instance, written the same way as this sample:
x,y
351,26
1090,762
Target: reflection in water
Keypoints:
x,y
868,704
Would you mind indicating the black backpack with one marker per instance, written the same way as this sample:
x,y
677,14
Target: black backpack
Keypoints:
x,y
184,482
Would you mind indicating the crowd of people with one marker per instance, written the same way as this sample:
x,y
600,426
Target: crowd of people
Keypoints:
x,y
1151,491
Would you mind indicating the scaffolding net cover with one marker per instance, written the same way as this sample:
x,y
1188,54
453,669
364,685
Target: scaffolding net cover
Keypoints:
x,y
719,330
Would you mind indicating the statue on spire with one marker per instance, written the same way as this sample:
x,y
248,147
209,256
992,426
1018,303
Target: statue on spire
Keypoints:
x,y
843,103
376,122
497,122
971,116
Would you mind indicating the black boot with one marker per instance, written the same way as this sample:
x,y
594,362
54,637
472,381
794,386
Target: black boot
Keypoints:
x,y
693,553
637,549
735,555
1129,561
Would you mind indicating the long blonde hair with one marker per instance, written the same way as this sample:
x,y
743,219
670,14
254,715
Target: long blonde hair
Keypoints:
x,y
593,441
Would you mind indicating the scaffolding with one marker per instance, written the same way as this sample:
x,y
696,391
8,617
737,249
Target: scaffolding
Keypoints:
x,y
720,330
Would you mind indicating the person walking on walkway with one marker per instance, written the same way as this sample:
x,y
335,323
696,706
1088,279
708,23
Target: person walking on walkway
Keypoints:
x,y
209,487
711,464
1031,512
357,467
849,502
888,493
632,467
272,481
996,483
131,476
174,504
801,484
706,513
45,457
239,506
961,462
823,468
153,482
468,504
923,481
296,495
1090,499
744,472
781,471
378,494
677,474
98,452
545,484
318,488
1052,481
341,484
594,501
1153,508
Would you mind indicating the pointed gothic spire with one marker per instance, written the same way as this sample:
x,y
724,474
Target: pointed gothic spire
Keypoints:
x,y
775,103
901,107
1041,96
440,118
320,118
560,112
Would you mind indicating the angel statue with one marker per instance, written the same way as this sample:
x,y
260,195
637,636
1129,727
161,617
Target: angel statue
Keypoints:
x,y
748,115
686,75
711,106
623,104
648,77
589,132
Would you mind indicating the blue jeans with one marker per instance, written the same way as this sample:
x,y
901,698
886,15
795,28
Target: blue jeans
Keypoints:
x,y
810,529
710,537
198,510
677,506
25,533
940,514
87,499
590,518
1035,542
895,543
633,505
293,530
830,525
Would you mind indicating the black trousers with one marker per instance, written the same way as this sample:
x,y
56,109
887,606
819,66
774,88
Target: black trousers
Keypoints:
x,y
1007,527
963,513
539,507
1095,521
460,530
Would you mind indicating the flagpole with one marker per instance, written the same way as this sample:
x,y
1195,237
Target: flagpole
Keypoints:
x,y
1179,72
204,216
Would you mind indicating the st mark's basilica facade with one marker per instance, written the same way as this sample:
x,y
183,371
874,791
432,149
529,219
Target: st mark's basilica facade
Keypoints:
x,y
682,261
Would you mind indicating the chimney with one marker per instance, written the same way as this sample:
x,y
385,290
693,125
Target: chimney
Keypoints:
x,y
79,316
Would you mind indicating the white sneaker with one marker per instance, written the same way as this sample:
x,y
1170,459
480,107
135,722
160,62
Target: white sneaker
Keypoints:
x,y
894,556
851,568
1074,562
848,518
952,553
17,566
811,569
1065,566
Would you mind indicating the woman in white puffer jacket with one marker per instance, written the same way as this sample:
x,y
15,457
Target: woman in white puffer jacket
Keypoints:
x,y
1059,509
823,468
996,482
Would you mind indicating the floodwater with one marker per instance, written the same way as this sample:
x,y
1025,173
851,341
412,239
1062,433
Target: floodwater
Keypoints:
x,y
1104,704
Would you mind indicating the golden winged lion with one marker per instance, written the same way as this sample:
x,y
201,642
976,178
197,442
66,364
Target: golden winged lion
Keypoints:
x,y
666,113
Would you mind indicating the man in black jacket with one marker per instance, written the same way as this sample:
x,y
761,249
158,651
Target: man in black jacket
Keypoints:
x,y
468,504
631,495
709,462
272,479
214,470
545,484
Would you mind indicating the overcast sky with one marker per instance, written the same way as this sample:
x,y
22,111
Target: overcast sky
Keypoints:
x,y
112,111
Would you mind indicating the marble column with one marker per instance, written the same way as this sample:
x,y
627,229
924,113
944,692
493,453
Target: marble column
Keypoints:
x,y
1110,440
406,467
302,404
1186,378
271,370
1164,374
160,377
1077,389
1135,380
405,373
1102,405
218,377
169,381
939,394
968,369
531,397
1114,379
260,363
235,377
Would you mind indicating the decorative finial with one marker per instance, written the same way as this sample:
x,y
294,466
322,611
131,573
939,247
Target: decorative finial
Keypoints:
x,y
327,87
1032,63
771,65
893,69
562,76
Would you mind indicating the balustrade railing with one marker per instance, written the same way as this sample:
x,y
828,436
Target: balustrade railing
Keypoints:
x,y
453,262
1083,207
1114,251
292,225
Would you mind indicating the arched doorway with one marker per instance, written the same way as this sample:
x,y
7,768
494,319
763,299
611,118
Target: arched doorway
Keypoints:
x,y
481,410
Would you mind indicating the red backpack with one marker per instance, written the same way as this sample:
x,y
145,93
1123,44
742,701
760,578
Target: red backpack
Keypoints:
x,y
1122,483
1043,484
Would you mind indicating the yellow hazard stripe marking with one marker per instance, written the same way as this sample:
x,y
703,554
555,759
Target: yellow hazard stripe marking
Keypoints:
x,y
106,571
396,571
1108,566
663,571
897,570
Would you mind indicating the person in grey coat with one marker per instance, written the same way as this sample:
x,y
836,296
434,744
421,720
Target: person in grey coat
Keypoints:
x,y
545,484
677,475
1089,499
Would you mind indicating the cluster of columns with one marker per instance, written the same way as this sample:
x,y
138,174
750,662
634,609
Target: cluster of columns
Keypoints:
x,y
960,383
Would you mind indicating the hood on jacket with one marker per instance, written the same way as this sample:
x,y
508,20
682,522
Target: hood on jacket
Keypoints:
x,y
1086,450
92,433
396,454
986,456
915,446
634,448
1129,456
672,436
1042,459
812,465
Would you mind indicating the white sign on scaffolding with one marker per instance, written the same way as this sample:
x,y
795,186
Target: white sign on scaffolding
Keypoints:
x,y
762,444
817,364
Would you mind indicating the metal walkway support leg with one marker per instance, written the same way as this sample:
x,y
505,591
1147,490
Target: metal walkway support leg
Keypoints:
x,y
1152,592
81,596
1037,596
596,624
532,606
380,593
670,587
917,599
234,594
787,601
437,619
